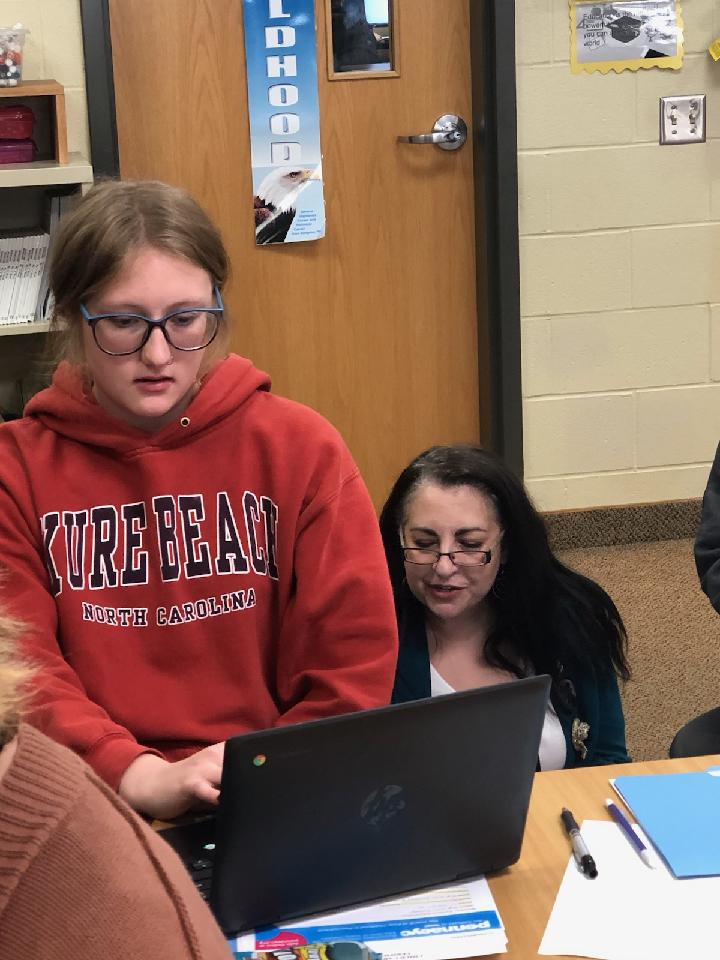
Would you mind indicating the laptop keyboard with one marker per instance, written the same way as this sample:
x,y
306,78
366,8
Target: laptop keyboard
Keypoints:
x,y
201,873
194,843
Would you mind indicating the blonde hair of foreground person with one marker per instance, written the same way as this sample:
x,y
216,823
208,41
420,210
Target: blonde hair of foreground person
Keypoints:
x,y
13,676
81,876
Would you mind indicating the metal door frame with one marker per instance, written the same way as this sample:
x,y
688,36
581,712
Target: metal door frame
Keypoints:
x,y
492,48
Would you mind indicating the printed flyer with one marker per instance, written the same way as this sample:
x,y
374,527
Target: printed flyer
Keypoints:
x,y
636,35
460,920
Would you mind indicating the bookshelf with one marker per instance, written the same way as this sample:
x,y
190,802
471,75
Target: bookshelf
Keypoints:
x,y
24,187
26,200
47,98
18,329
46,173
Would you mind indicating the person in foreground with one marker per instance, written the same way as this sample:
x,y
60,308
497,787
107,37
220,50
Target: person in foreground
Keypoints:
x,y
81,876
481,600
194,556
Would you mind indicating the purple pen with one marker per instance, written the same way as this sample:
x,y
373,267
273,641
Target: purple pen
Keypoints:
x,y
620,819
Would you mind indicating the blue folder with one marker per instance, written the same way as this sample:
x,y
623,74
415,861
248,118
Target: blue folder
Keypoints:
x,y
680,813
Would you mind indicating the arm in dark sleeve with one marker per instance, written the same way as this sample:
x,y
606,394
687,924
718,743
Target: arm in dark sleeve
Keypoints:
x,y
707,542
609,746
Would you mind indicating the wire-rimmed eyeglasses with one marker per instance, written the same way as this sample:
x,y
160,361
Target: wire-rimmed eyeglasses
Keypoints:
x,y
120,334
461,558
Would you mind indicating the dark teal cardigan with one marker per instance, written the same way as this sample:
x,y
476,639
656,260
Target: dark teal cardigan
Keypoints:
x,y
580,694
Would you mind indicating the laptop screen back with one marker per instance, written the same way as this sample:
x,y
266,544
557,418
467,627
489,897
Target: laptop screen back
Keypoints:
x,y
334,812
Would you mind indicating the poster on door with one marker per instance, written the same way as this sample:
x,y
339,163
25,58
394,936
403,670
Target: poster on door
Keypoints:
x,y
635,35
284,112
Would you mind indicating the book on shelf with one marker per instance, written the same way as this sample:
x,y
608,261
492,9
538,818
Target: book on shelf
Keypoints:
x,y
25,265
21,265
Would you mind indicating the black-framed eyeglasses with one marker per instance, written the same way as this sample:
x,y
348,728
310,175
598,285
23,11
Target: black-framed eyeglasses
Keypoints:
x,y
461,558
120,334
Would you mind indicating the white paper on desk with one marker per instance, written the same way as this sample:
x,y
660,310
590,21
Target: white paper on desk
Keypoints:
x,y
445,923
630,912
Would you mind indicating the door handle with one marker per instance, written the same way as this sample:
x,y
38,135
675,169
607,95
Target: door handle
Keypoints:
x,y
448,133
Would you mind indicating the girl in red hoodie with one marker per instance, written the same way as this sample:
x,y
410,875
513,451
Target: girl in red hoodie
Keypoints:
x,y
195,556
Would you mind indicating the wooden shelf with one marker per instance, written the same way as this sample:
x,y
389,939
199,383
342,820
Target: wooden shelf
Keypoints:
x,y
71,170
33,88
14,329
46,173
56,92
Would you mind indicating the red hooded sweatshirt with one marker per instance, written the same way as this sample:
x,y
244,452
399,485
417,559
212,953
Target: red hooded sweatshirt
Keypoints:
x,y
224,574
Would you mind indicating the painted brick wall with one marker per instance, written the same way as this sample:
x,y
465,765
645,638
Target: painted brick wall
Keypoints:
x,y
54,51
620,272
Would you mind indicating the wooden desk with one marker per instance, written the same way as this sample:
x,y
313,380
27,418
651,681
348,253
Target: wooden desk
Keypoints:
x,y
525,893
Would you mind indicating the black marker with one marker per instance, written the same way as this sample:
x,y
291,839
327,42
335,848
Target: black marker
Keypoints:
x,y
580,851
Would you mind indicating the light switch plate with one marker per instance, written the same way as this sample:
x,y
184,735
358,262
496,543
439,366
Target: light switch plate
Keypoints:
x,y
682,119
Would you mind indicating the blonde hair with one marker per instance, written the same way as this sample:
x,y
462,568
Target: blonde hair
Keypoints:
x,y
112,221
14,676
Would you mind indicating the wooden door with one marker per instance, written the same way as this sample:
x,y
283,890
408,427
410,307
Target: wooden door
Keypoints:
x,y
375,325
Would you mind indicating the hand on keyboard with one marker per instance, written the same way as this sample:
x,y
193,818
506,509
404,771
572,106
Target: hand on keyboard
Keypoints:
x,y
166,790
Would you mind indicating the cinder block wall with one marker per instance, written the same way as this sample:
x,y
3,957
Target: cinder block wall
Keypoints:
x,y
54,51
620,272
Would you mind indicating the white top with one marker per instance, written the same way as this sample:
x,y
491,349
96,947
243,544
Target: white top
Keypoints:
x,y
552,753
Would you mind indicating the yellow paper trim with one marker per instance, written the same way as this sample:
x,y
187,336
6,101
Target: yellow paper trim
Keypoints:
x,y
605,66
714,49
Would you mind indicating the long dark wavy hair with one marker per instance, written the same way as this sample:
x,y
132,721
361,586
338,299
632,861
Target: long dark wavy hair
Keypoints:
x,y
544,612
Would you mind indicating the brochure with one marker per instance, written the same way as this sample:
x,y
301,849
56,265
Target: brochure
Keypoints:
x,y
444,923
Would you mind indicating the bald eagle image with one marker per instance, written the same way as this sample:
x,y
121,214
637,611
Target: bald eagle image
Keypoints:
x,y
275,203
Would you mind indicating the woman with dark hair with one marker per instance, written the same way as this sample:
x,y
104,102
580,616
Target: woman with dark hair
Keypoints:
x,y
481,599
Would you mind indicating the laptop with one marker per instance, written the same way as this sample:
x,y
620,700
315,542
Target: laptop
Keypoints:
x,y
326,814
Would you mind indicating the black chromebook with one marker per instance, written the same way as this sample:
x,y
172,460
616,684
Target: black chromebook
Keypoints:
x,y
323,815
